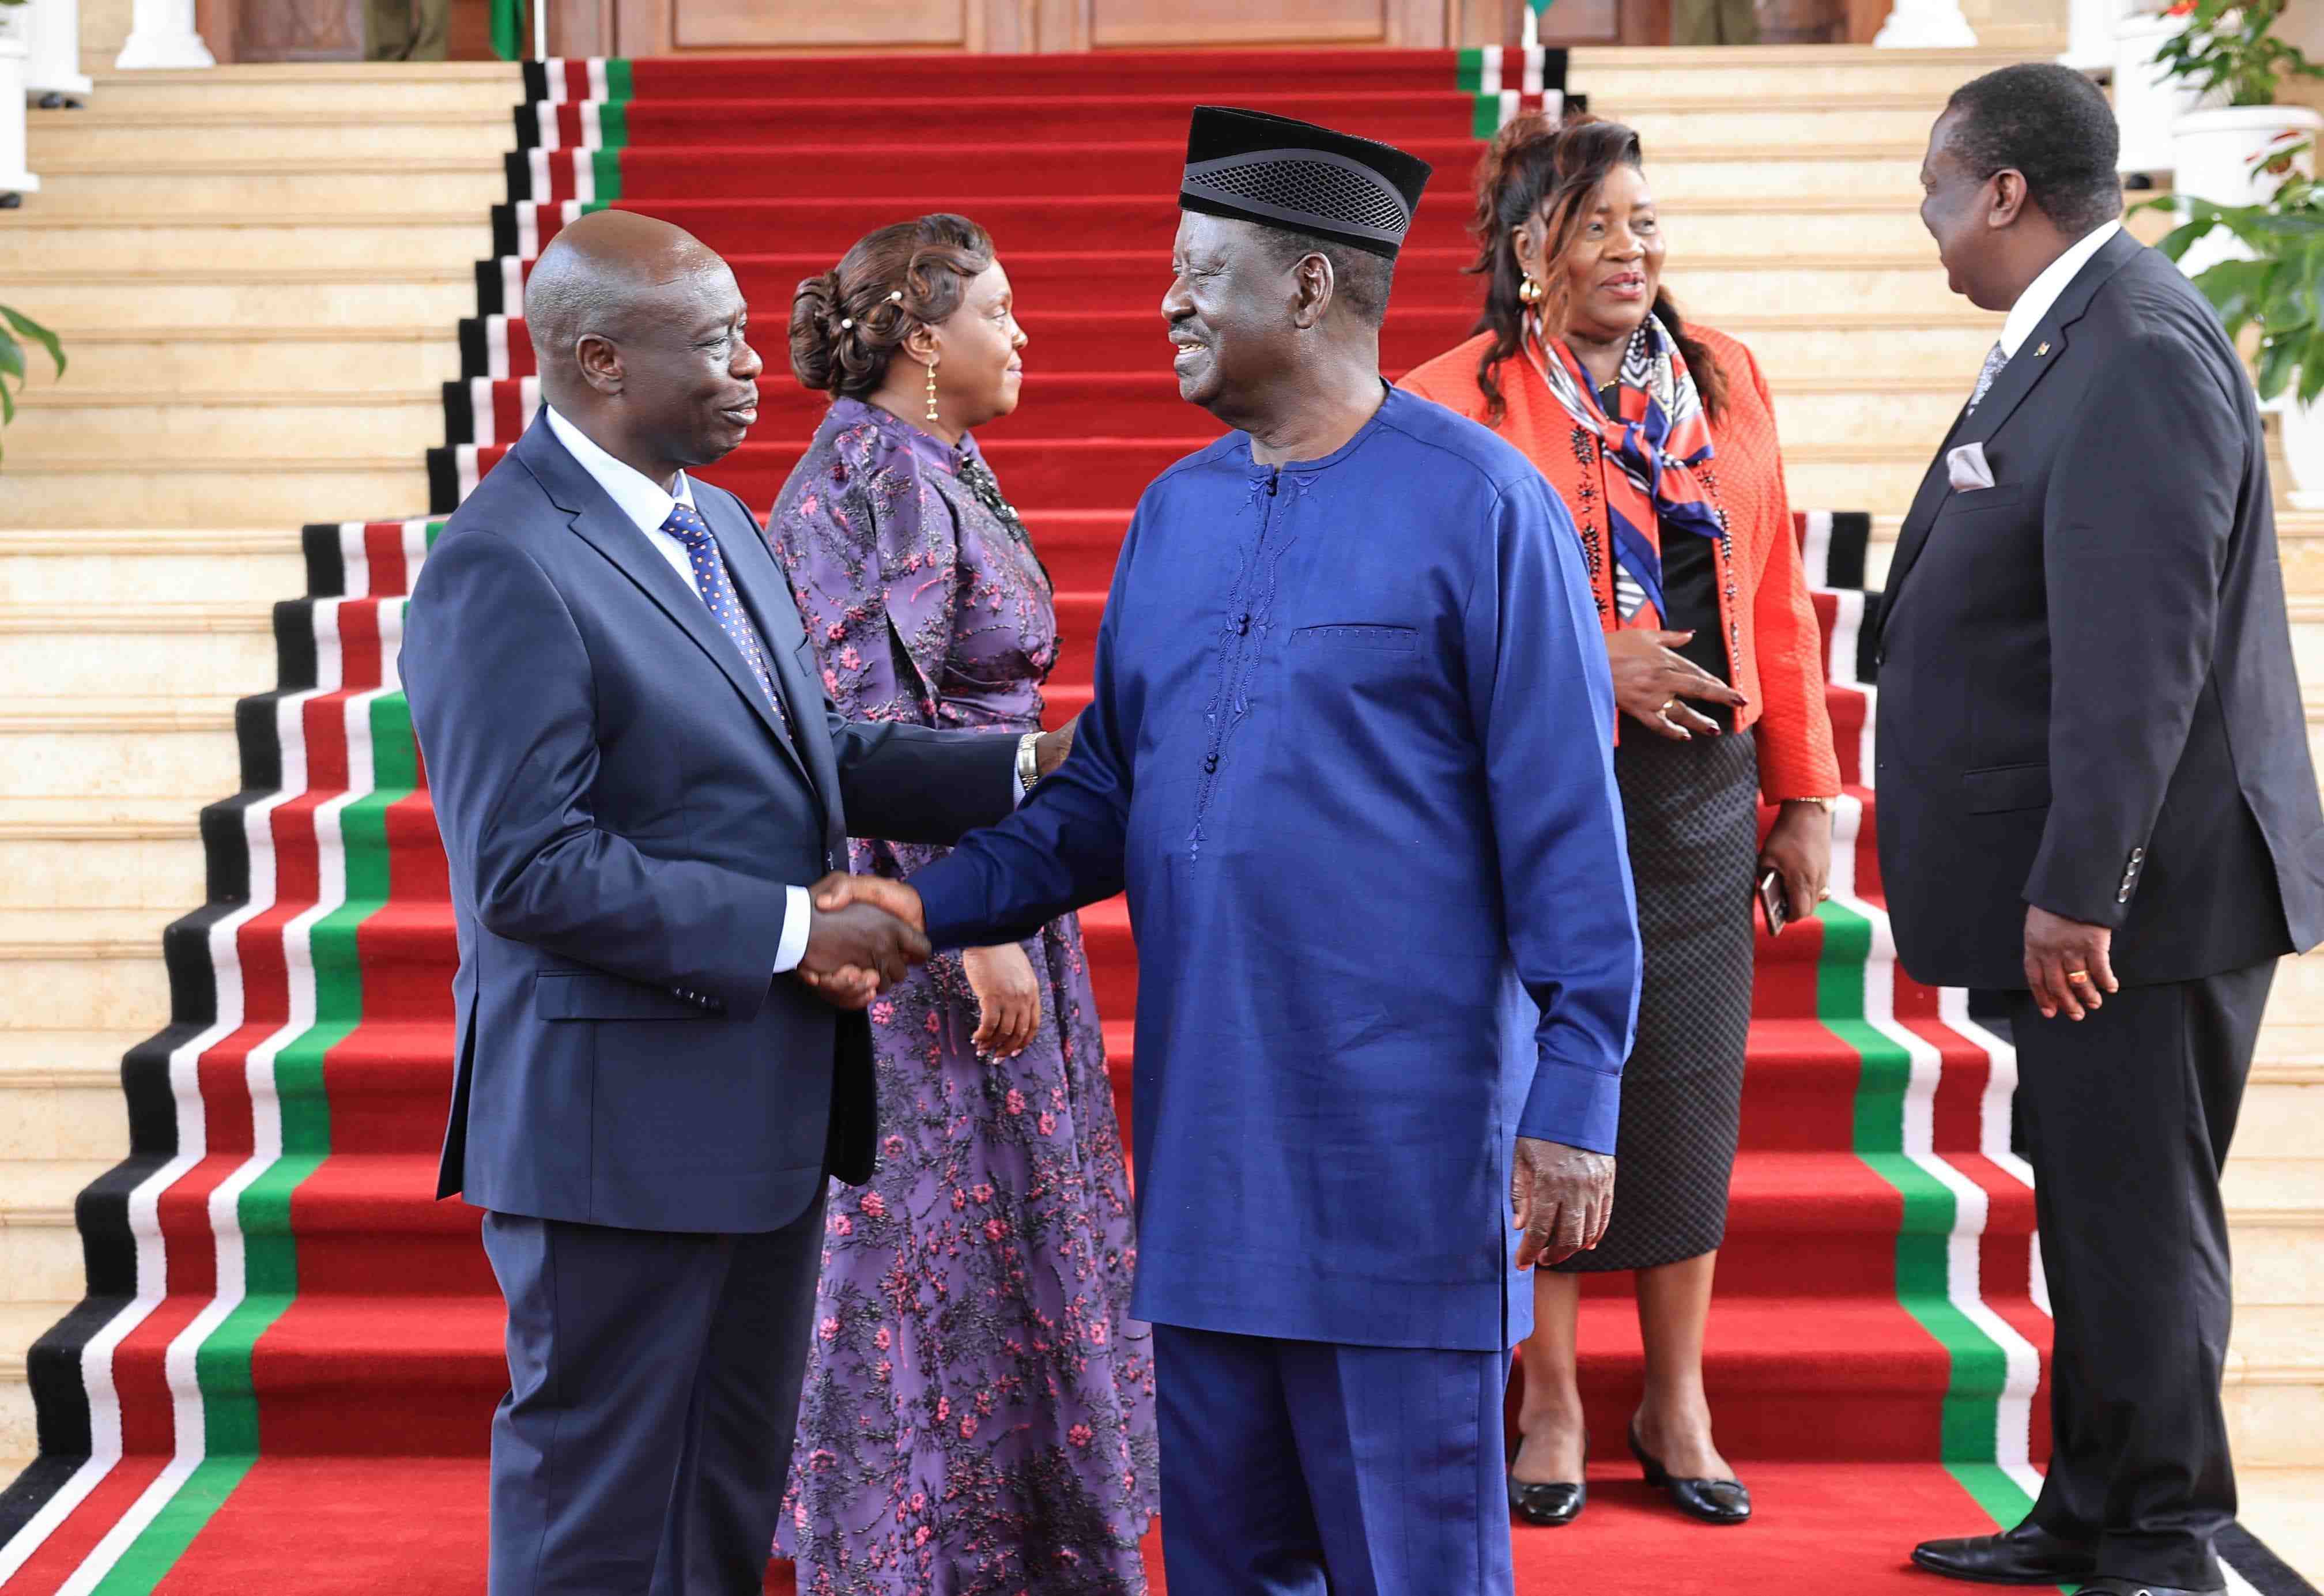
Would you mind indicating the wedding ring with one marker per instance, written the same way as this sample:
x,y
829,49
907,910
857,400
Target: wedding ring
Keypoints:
x,y
2080,975
1668,704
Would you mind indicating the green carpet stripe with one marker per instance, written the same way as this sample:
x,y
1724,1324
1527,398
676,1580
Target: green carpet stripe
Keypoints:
x,y
232,1422
147,1562
606,172
613,125
1470,75
1978,1367
618,81
435,530
1485,116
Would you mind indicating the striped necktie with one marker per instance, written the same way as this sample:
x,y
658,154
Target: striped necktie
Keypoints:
x,y
1994,361
686,524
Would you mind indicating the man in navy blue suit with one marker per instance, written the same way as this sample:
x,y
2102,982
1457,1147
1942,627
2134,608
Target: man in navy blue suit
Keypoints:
x,y
637,777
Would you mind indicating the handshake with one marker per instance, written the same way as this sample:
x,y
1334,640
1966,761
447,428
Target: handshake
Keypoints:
x,y
866,932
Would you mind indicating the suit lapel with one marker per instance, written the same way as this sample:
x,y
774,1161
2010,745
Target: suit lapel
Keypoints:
x,y
599,522
2041,350
767,599
1914,532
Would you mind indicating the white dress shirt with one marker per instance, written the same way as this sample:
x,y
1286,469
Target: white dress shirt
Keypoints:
x,y
642,500
2042,292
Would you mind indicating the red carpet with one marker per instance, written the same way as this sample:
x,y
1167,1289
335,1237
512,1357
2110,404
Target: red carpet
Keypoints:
x,y
283,1376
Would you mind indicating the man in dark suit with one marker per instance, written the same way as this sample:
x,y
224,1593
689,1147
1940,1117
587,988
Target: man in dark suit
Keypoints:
x,y
637,778
2096,801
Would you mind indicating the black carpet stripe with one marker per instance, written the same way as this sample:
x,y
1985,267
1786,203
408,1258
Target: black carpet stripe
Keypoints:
x,y
443,482
2269,1574
327,560
475,355
459,413
30,1491
489,296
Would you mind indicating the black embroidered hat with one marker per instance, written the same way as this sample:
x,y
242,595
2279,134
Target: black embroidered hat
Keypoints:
x,y
1299,177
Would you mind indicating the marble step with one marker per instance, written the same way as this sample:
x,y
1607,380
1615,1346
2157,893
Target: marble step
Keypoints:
x,y
2274,1386
141,853
164,239
258,297
1669,121
380,359
231,130
385,185
60,1094
90,424
1773,72
201,494
247,566
2279,1507
39,1250
147,649
347,88
21,1324
92,750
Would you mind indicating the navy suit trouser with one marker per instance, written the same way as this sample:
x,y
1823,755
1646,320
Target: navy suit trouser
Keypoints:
x,y
1295,1468
654,1378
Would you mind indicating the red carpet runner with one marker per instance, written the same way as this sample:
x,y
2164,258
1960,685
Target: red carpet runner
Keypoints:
x,y
281,1378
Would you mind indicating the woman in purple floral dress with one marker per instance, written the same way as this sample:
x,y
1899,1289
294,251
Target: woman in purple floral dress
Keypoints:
x,y
978,1418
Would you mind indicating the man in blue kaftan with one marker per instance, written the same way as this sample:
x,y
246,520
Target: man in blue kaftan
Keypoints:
x,y
1350,757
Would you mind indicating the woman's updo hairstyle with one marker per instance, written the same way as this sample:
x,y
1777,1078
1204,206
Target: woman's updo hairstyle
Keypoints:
x,y
1536,167
847,323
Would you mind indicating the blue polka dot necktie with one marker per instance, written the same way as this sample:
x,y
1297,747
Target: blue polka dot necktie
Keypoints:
x,y
686,524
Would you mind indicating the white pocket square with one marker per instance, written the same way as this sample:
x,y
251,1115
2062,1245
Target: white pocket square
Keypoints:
x,y
1965,468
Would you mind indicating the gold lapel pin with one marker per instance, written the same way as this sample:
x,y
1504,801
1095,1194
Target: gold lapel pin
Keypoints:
x,y
2044,349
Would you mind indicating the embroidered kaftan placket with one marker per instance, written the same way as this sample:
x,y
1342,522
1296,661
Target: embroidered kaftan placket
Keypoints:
x,y
1250,615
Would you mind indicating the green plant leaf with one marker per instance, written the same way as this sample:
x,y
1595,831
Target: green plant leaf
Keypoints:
x,y
2278,358
12,356
37,333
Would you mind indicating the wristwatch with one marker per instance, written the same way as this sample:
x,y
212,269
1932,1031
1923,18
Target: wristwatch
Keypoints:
x,y
1029,760
1820,803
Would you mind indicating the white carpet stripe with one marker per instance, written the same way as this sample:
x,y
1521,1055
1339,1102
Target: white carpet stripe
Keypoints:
x,y
186,1398
2021,1361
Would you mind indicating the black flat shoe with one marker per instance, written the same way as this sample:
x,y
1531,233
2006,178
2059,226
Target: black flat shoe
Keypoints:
x,y
1547,1503
2028,1554
2116,1585
1552,1502
1714,1501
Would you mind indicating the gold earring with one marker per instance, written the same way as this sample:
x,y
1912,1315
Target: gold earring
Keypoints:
x,y
1529,291
932,388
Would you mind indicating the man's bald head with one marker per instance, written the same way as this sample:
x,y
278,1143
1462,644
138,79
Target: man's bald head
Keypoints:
x,y
602,274
637,329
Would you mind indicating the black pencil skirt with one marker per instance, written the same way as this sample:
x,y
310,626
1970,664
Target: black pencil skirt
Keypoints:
x,y
1692,812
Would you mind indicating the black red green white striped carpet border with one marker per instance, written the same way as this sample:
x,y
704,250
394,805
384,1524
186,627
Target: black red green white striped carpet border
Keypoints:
x,y
336,685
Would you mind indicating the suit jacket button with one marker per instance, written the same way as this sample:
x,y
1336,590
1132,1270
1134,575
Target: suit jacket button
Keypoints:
x,y
2123,896
2138,855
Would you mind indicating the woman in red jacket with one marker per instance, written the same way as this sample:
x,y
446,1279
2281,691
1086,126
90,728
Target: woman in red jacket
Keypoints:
x,y
1660,438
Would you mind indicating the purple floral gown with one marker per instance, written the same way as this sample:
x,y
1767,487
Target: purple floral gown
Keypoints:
x,y
978,1418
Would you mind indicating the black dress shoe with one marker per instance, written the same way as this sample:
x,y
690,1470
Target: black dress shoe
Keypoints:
x,y
1714,1501
2116,1585
2028,1554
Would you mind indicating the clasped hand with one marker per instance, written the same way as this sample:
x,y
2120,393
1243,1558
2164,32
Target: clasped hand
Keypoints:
x,y
865,932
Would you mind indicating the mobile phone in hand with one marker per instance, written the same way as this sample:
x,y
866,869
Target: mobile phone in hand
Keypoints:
x,y
1774,905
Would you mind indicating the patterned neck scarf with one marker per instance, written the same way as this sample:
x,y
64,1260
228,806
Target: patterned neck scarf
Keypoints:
x,y
1660,441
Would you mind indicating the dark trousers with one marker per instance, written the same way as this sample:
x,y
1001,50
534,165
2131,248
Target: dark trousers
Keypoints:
x,y
654,1380
2128,1117
1293,1468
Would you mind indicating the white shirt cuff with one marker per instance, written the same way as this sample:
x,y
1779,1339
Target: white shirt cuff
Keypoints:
x,y
799,912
